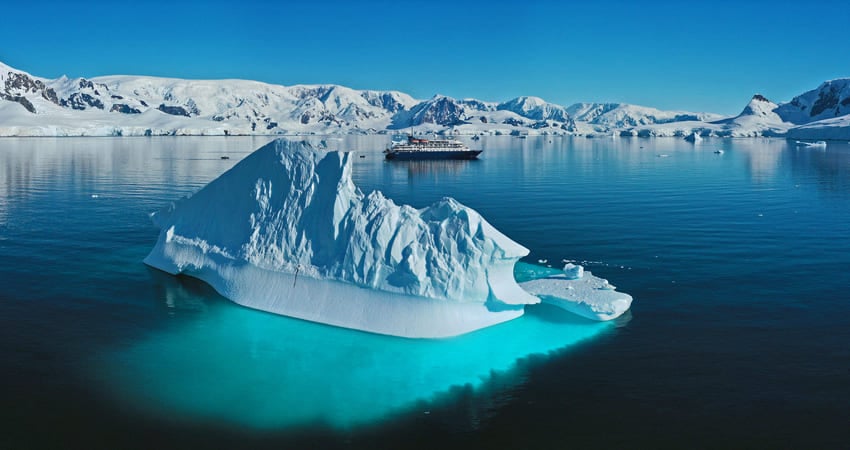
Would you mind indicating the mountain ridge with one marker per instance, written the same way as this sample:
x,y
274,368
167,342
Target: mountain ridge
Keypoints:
x,y
124,105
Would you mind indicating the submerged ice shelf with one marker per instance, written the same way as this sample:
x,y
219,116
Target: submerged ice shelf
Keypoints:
x,y
287,231
237,367
581,293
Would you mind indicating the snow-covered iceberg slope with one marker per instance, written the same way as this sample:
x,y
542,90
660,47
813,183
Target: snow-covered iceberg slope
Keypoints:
x,y
287,231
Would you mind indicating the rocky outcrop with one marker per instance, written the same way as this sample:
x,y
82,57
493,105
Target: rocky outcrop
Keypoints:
x,y
124,109
81,100
827,99
440,110
19,99
173,110
17,85
831,99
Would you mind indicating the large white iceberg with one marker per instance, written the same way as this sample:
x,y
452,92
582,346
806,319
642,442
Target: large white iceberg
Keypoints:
x,y
287,231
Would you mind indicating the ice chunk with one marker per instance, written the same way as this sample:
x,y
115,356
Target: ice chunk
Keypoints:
x,y
693,137
573,271
591,297
818,144
287,231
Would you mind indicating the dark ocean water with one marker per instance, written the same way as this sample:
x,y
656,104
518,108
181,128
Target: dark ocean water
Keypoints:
x,y
739,334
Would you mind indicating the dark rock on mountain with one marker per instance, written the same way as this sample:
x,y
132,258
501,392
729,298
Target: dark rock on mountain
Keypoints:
x,y
81,100
19,99
124,109
831,99
513,122
439,111
386,100
20,84
827,99
173,110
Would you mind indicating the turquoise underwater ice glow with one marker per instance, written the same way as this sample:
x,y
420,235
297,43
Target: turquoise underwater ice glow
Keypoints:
x,y
258,370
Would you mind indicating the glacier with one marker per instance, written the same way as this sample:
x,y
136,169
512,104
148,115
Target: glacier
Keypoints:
x,y
286,231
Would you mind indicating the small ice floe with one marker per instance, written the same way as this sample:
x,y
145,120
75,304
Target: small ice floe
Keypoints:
x,y
607,286
95,196
819,144
589,296
542,261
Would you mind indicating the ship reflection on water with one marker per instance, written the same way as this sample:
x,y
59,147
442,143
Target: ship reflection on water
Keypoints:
x,y
430,168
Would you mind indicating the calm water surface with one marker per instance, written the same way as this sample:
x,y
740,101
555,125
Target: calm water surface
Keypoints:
x,y
738,336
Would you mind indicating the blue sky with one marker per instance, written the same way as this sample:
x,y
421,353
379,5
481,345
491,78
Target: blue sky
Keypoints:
x,y
695,56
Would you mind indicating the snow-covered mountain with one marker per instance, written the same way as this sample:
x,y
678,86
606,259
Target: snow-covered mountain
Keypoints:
x,y
758,118
618,115
830,100
822,113
131,105
535,108
138,105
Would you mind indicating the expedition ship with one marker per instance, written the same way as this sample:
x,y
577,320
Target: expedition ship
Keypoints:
x,y
416,148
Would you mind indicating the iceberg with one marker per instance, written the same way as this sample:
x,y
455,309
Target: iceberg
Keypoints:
x,y
573,271
286,231
693,137
818,144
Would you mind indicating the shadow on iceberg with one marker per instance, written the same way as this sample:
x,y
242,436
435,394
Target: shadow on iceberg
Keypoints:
x,y
287,231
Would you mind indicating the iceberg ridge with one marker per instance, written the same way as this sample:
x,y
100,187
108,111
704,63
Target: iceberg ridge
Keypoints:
x,y
287,231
